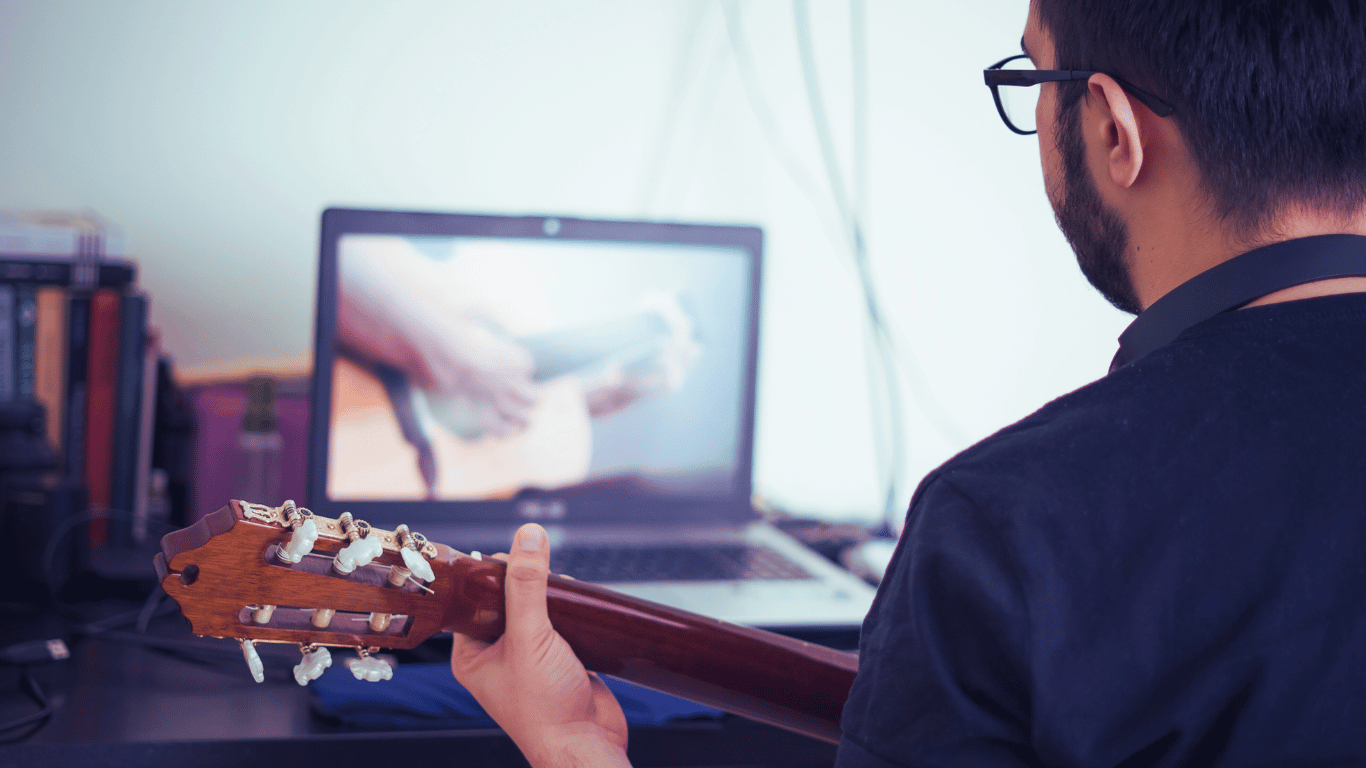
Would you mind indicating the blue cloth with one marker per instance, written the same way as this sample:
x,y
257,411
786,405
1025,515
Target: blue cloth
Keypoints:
x,y
1166,567
426,696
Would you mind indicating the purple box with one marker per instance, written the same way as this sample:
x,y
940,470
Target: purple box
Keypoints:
x,y
219,407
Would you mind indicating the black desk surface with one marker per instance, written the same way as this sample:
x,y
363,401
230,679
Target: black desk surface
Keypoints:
x,y
194,704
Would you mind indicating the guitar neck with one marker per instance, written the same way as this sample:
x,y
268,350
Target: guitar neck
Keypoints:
x,y
792,684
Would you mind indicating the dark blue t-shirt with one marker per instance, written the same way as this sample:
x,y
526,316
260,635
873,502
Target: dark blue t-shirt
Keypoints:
x,y
1166,567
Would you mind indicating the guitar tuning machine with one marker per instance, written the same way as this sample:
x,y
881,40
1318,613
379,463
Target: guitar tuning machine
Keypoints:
x,y
412,546
366,666
363,547
300,519
316,658
258,670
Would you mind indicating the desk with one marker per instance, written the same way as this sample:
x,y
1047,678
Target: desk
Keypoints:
x,y
123,704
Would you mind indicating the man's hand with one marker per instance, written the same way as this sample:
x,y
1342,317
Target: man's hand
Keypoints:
x,y
531,683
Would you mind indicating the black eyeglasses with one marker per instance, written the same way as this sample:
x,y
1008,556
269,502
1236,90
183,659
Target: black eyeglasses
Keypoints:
x,y
1017,106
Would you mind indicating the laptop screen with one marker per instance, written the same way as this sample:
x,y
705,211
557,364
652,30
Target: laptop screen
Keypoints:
x,y
480,368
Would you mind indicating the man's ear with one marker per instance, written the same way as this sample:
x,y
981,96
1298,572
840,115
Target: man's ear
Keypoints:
x,y
1117,128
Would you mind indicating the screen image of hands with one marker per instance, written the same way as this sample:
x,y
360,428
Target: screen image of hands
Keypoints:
x,y
477,379
469,369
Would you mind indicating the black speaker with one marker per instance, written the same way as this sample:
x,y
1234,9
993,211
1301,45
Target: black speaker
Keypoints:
x,y
38,507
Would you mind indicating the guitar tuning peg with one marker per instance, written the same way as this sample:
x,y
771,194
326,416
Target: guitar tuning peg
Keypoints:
x,y
316,659
414,564
380,621
417,564
300,542
367,667
362,549
322,617
258,670
356,554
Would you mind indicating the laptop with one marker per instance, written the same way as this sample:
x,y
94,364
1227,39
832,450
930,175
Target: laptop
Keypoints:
x,y
473,373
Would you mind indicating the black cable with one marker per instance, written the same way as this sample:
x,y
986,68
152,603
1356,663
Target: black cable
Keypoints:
x,y
149,609
29,686
65,529
104,629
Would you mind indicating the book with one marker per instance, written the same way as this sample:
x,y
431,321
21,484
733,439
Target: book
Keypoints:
x,y
77,362
63,248
51,357
142,512
9,341
52,271
73,341
102,390
58,233
26,353
127,411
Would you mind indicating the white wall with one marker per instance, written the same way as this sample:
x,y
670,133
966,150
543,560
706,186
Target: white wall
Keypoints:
x,y
214,133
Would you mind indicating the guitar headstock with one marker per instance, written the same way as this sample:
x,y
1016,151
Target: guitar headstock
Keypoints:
x,y
284,575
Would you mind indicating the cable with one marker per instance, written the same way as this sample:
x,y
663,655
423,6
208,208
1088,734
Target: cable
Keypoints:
x,y
28,685
768,124
149,609
66,527
858,57
709,89
104,629
683,70
887,358
882,359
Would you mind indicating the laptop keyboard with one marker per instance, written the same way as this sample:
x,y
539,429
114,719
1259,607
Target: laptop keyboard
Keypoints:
x,y
716,562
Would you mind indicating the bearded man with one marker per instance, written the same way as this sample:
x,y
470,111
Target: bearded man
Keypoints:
x,y
1167,566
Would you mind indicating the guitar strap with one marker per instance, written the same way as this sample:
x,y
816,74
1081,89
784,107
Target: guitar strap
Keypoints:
x,y
1236,282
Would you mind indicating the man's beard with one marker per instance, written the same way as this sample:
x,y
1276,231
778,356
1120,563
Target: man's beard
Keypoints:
x,y
1096,233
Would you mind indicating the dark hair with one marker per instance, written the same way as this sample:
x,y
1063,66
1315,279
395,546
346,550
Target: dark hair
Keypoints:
x,y
1270,95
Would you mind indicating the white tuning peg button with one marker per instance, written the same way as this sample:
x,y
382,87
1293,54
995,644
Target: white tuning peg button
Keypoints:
x,y
301,543
312,666
370,668
357,553
258,670
417,564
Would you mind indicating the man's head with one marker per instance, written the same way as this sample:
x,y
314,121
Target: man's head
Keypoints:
x,y
1270,106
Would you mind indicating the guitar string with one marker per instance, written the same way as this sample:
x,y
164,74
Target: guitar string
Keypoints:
x,y
415,582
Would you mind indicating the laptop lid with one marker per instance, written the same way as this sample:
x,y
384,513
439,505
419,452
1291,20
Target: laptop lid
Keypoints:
x,y
474,369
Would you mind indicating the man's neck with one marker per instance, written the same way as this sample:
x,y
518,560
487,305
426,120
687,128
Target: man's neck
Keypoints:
x,y
1163,260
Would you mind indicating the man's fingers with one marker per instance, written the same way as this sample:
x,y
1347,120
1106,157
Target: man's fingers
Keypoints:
x,y
528,569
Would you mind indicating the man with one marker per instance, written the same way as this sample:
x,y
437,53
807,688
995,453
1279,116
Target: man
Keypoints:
x,y
1168,566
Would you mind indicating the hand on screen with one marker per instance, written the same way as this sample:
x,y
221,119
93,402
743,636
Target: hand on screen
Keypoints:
x,y
657,368
529,680
477,380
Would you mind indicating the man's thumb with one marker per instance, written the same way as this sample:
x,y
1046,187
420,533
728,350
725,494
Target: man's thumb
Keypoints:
x,y
527,571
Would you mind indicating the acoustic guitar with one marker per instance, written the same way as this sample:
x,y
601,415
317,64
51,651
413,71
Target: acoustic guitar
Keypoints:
x,y
284,575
